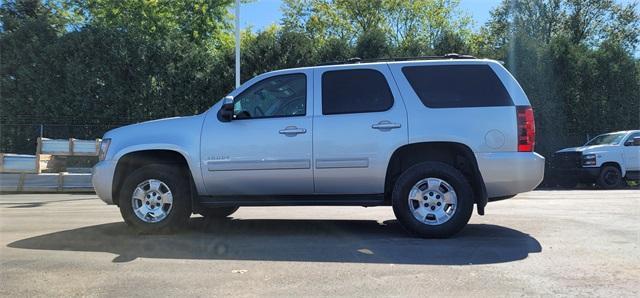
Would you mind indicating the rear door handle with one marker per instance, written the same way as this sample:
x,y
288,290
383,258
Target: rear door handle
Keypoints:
x,y
292,131
386,125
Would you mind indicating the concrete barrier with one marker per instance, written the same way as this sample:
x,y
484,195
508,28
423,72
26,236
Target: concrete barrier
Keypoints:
x,y
46,182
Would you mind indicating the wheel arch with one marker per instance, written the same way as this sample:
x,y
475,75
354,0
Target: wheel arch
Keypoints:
x,y
456,154
614,164
129,161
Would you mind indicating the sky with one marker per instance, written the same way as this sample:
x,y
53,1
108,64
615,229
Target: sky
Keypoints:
x,y
262,13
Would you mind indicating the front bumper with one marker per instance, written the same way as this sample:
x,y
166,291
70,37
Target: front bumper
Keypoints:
x,y
102,180
567,166
588,174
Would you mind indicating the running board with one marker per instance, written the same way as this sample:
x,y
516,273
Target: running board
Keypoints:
x,y
294,200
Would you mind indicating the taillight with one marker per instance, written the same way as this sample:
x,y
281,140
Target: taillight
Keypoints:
x,y
526,129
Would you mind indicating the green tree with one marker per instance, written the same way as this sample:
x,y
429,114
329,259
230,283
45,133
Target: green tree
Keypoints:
x,y
108,62
574,60
373,44
60,15
99,74
410,27
450,42
197,21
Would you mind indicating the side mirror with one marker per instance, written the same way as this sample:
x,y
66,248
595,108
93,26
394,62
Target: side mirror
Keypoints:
x,y
226,110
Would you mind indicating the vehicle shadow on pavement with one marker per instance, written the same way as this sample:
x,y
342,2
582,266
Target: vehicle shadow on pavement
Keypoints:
x,y
40,203
358,241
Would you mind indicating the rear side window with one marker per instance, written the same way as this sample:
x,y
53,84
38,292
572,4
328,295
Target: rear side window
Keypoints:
x,y
457,86
355,91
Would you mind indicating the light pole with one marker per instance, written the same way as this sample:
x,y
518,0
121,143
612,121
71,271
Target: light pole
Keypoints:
x,y
237,44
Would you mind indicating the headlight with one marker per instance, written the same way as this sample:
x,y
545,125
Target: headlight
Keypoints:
x,y
589,160
104,146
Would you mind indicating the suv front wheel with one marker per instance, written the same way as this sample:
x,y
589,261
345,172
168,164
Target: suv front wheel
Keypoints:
x,y
432,200
156,199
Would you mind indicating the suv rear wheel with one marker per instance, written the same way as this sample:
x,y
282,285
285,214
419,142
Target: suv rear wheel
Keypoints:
x,y
432,200
156,199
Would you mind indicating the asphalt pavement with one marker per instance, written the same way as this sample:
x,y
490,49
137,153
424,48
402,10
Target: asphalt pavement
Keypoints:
x,y
570,243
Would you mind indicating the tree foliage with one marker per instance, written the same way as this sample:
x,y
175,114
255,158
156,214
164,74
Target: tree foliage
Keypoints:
x,y
112,62
197,21
410,27
575,59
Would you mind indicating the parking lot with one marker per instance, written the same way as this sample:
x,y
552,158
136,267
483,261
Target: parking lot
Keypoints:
x,y
539,243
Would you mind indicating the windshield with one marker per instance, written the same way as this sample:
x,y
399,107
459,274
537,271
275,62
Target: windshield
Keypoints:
x,y
606,139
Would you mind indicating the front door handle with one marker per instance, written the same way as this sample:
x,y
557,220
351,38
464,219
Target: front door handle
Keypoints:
x,y
385,125
292,131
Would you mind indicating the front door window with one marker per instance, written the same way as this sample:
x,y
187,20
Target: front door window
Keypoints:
x,y
278,96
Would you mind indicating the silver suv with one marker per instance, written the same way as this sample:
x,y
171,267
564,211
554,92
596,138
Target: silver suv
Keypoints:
x,y
430,137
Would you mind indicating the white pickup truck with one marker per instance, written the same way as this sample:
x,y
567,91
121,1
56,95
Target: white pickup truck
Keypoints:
x,y
606,159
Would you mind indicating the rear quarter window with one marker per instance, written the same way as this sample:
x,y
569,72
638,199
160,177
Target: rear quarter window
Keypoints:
x,y
457,86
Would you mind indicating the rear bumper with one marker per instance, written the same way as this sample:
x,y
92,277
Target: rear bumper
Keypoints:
x,y
510,173
102,180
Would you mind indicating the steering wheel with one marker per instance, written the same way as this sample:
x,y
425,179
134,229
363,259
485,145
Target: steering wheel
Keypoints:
x,y
293,107
242,115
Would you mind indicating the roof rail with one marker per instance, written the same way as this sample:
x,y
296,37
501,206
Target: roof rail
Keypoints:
x,y
391,59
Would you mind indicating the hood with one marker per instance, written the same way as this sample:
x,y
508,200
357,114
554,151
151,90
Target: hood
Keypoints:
x,y
169,133
587,149
158,126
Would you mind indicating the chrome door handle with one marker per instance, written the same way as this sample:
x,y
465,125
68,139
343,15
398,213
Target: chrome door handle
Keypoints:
x,y
385,125
292,130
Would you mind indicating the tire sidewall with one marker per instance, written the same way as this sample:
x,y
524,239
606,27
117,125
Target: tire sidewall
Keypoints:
x,y
442,171
602,181
173,177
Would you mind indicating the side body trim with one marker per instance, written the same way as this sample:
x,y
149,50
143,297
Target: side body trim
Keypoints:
x,y
246,165
342,163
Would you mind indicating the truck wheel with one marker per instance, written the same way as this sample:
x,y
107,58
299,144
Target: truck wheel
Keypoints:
x,y
218,212
610,177
156,199
432,200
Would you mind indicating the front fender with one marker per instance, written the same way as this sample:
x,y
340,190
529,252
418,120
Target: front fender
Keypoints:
x,y
191,158
604,157
154,146
178,134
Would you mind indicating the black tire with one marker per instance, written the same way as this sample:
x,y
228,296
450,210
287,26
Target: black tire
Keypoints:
x,y
217,212
610,178
444,172
174,178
